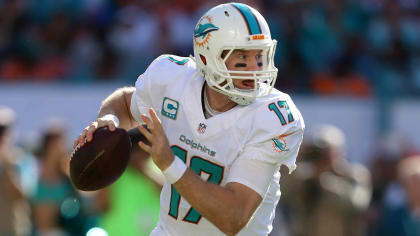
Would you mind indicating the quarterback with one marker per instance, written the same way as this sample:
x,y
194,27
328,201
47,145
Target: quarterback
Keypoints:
x,y
217,128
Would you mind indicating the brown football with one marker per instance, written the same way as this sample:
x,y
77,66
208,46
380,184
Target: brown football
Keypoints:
x,y
101,161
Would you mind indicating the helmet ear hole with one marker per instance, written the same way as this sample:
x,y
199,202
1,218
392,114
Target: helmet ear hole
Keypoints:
x,y
203,59
224,53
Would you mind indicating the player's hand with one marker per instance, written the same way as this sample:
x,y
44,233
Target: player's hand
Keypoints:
x,y
87,134
159,148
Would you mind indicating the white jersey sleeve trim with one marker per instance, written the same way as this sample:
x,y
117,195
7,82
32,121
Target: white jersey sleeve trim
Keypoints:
x,y
254,174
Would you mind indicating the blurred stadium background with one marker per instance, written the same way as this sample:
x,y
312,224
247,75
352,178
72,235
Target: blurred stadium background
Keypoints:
x,y
350,64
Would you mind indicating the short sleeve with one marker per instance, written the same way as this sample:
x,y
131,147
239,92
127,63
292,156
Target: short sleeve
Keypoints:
x,y
256,175
280,150
258,163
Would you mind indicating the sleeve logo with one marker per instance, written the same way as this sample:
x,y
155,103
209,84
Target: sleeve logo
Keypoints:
x,y
170,108
280,144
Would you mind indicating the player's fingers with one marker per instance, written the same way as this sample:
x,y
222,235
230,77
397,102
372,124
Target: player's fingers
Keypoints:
x,y
106,122
155,118
89,133
101,122
75,143
148,122
79,141
145,147
82,136
146,133
111,126
90,130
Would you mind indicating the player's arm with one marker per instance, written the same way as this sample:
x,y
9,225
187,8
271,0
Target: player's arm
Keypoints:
x,y
229,208
116,104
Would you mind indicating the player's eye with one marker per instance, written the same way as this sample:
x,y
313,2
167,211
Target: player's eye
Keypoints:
x,y
239,65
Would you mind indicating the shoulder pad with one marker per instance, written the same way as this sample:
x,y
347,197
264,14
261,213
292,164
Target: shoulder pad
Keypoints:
x,y
274,116
166,66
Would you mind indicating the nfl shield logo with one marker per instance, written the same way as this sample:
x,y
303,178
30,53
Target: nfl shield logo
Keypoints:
x,y
202,128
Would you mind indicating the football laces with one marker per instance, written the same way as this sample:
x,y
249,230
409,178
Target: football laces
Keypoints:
x,y
74,151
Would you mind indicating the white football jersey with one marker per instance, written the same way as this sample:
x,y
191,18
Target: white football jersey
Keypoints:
x,y
268,130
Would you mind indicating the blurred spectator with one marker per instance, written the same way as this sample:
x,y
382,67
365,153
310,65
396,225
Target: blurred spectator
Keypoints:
x,y
57,207
131,205
344,78
350,47
326,195
14,211
135,37
404,219
387,190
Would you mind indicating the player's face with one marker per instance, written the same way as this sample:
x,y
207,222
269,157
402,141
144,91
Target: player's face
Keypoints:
x,y
245,60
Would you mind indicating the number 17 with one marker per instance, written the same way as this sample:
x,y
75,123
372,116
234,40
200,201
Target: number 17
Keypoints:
x,y
276,108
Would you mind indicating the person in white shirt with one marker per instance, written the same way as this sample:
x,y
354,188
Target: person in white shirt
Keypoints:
x,y
217,128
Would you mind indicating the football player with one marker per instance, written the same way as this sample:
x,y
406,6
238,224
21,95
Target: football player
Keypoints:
x,y
217,128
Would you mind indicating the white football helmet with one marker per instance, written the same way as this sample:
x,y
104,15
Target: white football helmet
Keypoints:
x,y
228,27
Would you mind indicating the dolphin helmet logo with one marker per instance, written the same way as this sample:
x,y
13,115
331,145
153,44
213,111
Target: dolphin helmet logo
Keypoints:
x,y
202,31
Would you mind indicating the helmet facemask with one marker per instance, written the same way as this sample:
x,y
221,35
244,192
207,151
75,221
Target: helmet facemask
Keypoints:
x,y
221,78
